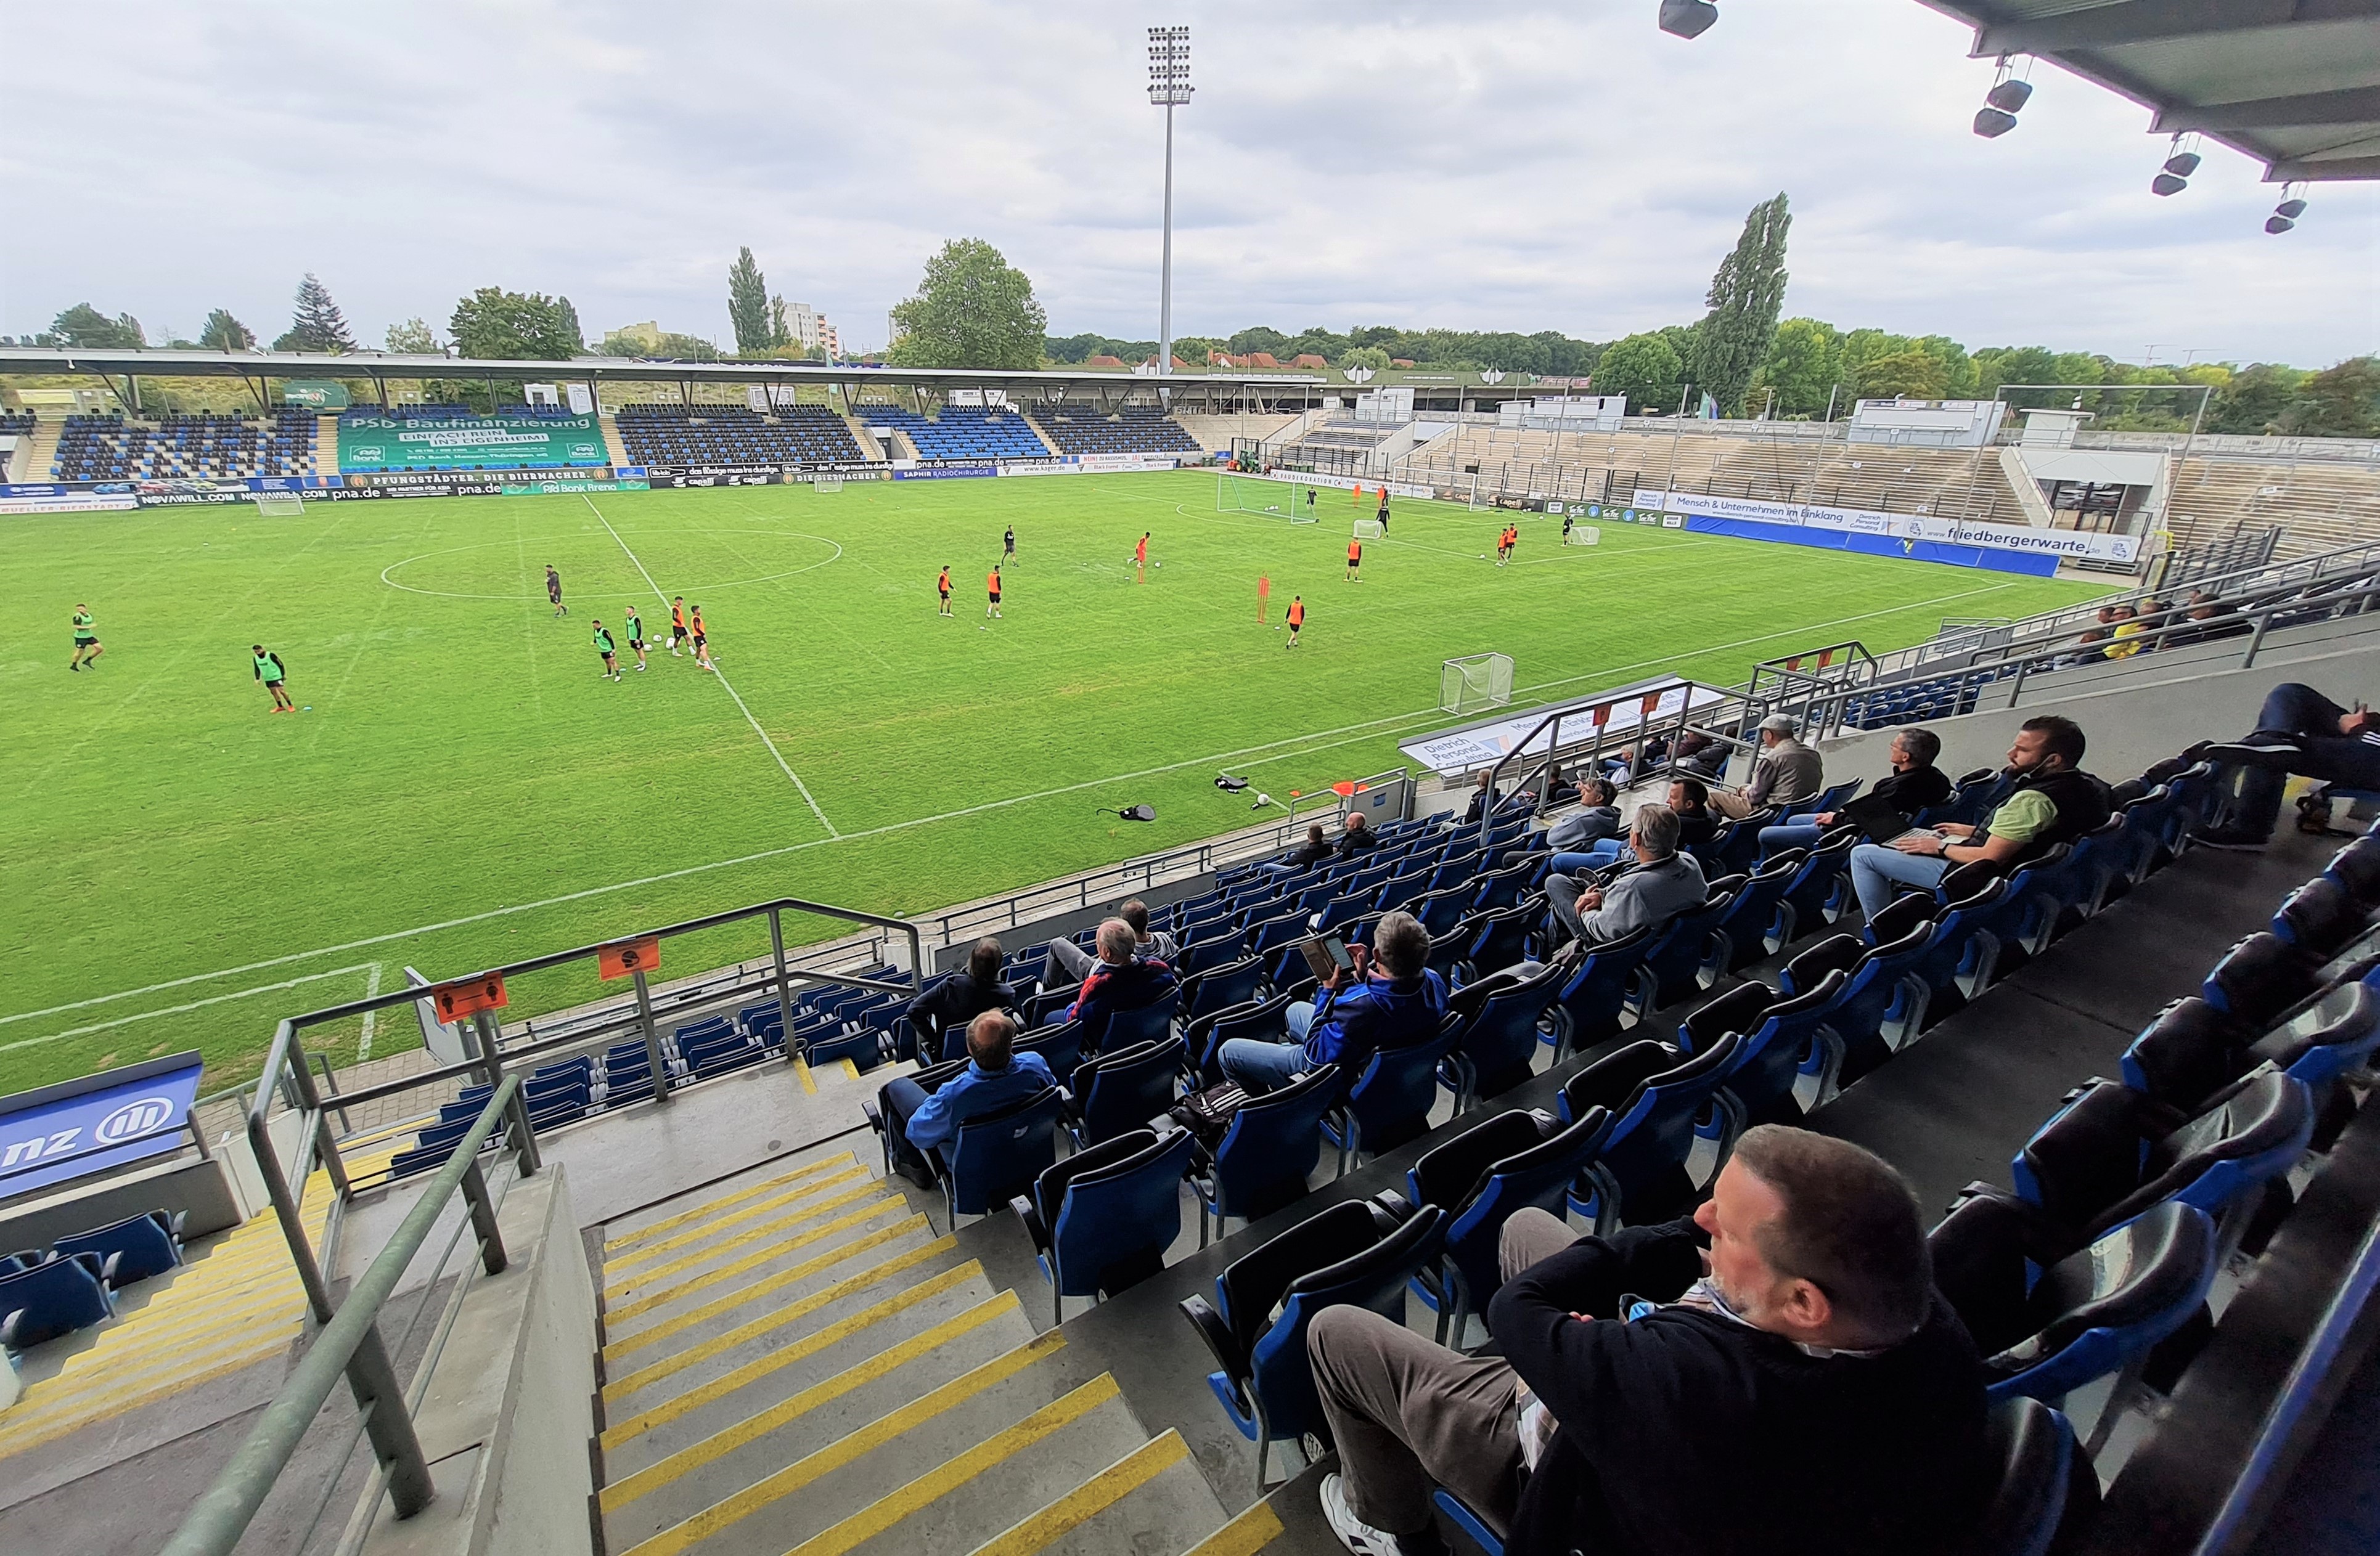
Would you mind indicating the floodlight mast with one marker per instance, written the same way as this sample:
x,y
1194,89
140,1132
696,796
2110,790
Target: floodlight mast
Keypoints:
x,y
1169,88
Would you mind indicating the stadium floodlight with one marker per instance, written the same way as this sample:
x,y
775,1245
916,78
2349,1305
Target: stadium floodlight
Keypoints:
x,y
1993,123
2009,95
1687,18
1169,88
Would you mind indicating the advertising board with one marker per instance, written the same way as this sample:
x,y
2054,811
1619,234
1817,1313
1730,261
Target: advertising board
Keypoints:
x,y
111,1119
372,443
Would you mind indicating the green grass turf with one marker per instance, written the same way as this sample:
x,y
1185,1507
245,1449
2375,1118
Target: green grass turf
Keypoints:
x,y
459,754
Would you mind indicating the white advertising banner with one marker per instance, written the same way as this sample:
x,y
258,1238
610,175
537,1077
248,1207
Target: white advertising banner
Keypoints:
x,y
1092,464
1482,745
71,502
1344,483
1900,527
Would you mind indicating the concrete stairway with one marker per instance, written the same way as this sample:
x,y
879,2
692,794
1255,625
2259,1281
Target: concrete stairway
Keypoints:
x,y
795,1361
38,448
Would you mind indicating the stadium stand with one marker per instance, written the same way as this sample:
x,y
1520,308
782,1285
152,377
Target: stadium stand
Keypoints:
x,y
16,423
960,432
1131,430
735,435
202,446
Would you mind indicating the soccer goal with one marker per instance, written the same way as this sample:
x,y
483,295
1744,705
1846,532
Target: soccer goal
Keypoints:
x,y
1251,494
1579,532
279,504
1475,682
827,483
1369,529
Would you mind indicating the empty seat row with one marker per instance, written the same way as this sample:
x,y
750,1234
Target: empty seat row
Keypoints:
x,y
45,1293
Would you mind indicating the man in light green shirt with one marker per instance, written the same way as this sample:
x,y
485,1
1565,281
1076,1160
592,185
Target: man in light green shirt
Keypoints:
x,y
86,633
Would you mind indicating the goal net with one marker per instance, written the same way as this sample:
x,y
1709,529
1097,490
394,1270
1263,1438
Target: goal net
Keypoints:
x,y
279,504
1251,494
1475,681
829,483
1369,529
1579,532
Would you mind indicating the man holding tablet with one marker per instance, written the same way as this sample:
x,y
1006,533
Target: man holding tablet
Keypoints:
x,y
1385,998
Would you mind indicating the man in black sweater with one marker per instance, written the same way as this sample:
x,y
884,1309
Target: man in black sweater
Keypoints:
x,y
1775,1377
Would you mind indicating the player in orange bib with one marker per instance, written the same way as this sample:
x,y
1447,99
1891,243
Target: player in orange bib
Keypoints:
x,y
1296,619
678,634
942,587
1140,555
991,584
1505,542
701,642
1355,562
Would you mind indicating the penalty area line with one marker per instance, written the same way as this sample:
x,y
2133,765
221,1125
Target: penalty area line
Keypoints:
x,y
660,595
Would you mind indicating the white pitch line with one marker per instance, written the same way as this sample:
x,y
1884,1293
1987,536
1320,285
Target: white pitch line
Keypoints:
x,y
1226,758
783,764
371,988
373,968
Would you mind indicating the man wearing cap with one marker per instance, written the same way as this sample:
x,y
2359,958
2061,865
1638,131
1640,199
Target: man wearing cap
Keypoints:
x,y
1786,774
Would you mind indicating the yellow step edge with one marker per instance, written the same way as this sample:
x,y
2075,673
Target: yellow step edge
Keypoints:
x,y
730,1219
710,1278
691,1532
92,1365
865,1187
26,1431
129,1341
850,1071
1243,1536
802,1073
645,1378
994,1451
1091,1497
616,1349
710,1207
795,1405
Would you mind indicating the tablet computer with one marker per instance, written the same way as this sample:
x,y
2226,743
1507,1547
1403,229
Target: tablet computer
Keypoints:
x,y
1326,954
1876,816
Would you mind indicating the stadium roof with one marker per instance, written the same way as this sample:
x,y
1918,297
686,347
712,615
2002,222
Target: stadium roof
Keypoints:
x,y
2293,83
383,365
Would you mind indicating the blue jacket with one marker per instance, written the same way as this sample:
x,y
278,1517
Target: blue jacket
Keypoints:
x,y
1137,985
973,1090
1350,1023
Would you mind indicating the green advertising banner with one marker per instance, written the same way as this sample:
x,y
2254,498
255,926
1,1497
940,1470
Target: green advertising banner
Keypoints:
x,y
315,394
370,442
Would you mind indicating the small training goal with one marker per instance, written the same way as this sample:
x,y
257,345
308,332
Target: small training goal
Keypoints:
x,y
279,504
1369,529
1253,494
1475,682
1579,532
827,483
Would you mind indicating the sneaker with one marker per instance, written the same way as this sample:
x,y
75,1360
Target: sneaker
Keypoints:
x,y
1352,1532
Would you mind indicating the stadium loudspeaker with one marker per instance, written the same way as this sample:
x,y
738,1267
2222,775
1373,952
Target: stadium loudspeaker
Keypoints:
x,y
2278,224
1992,123
2010,96
2291,209
2168,184
1687,18
2183,163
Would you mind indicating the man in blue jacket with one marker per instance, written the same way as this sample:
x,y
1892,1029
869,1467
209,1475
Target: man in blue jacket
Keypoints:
x,y
1794,1386
1391,999
995,1076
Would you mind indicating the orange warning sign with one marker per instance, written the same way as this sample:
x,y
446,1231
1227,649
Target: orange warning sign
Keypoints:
x,y
469,997
628,957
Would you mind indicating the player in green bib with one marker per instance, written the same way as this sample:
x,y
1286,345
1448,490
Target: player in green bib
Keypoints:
x,y
603,646
636,635
85,630
271,673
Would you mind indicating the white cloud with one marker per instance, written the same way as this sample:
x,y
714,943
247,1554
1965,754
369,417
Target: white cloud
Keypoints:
x,y
1520,167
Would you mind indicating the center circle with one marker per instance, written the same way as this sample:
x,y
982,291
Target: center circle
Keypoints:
x,y
596,567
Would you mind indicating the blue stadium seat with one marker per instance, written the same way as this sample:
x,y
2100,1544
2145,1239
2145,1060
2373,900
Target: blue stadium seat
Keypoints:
x,y
1101,1219
1268,1152
1358,1253
1266,1019
1680,959
1495,1034
1658,1098
1875,1013
52,1298
1820,890
1123,1088
1588,1009
1746,928
1389,1103
2191,1052
995,1156
1480,1177
1785,1039
1230,984
131,1249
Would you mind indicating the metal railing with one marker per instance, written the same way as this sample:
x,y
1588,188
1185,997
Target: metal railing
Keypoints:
x,y
1709,717
351,1347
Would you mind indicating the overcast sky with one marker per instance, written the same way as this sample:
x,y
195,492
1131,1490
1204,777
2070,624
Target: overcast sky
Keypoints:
x,y
1564,167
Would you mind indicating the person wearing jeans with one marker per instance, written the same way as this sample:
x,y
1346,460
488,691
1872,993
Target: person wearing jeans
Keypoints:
x,y
1913,784
2298,731
2055,801
1392,997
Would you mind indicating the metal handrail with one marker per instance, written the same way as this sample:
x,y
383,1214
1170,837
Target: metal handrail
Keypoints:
x,y
1549,725
350,1345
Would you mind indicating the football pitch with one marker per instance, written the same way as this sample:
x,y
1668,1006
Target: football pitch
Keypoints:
x,y
460,788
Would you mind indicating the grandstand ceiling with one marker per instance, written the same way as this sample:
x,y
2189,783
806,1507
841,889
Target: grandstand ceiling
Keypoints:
x,y
2293,83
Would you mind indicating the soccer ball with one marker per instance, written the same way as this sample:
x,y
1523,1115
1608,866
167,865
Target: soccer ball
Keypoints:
x,y
1157,564
1483,556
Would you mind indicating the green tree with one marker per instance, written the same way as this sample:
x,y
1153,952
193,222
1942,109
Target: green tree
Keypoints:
x,y
318,324
223,333
1805,364
972,309
492,323
414,338
83,325
1901,375
2341,401
748,306
1371,356
2254,403
1746,294
1958,369
1258,337
1643,367
671,347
